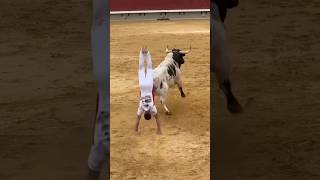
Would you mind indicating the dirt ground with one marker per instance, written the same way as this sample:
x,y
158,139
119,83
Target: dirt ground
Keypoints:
x,y
47,95
47,90
182,151
275,73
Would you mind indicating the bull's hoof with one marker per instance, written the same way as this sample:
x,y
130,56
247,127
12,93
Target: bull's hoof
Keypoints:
x,y
234,107
168,113
183,95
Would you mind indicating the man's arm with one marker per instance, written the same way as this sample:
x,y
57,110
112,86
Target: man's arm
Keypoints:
x,y
137,123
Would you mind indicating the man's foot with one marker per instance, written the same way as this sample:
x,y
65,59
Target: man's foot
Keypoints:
x,y
92,175
234,106
168,113
232,103
144,50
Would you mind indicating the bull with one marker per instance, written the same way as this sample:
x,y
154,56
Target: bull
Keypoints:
x,y
168,74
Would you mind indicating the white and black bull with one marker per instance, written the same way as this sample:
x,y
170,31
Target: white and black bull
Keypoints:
x,y
168,74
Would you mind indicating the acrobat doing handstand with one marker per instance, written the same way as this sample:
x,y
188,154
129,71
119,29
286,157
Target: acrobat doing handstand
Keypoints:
x,y
146,103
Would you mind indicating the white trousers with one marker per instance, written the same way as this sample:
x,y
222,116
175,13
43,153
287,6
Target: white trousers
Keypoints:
x,y
145,75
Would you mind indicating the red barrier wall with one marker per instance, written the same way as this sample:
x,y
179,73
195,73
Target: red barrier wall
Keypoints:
x,y
135,5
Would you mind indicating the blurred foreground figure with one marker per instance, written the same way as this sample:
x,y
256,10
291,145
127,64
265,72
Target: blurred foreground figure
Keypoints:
x,y
220,51
99,152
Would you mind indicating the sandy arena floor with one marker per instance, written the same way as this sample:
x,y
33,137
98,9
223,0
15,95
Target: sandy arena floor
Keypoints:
x,y
47,90
182,151
275,73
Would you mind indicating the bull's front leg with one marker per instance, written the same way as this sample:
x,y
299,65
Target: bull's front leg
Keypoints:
x,y
179,83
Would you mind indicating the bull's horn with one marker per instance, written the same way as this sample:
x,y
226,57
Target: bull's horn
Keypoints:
x,y
167,50
186,52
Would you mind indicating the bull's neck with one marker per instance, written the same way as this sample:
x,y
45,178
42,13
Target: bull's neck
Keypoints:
x,y
177,64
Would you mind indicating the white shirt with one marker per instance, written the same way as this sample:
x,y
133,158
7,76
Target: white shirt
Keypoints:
x,y
146,104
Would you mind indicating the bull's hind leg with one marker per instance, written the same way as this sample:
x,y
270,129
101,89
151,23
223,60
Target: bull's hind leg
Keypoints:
x,y
162,94
181,92
179,83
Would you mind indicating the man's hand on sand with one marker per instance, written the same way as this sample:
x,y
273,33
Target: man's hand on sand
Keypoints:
x,y
159,132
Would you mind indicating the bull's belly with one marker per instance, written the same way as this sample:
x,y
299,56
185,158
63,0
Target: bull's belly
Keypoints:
x,y
161,91
171,83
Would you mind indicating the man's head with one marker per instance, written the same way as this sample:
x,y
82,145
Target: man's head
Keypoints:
x,y
147,115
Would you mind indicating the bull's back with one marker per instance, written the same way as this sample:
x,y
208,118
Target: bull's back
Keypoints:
x,y
162,75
